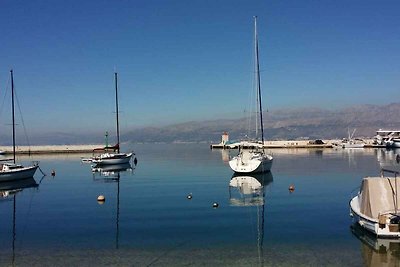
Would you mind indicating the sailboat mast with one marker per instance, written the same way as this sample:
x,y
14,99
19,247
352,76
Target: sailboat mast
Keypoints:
x,y
258,79
13,113
116,107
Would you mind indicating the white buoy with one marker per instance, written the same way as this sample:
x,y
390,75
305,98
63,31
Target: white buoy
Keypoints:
x,y
101,198
291,188
215,205
189,196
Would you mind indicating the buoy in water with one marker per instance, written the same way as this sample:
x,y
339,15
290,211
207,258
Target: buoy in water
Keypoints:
x,y
189,196
101,198
53,173
215,205
291,188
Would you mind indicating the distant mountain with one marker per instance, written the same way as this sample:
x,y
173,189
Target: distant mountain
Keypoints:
x,y
304,123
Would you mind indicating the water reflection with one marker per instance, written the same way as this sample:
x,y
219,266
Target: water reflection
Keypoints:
x,y
249,190
377,251
8,192
109,174
389,159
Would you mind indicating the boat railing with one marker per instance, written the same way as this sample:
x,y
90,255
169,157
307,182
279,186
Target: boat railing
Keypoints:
x,y
389,171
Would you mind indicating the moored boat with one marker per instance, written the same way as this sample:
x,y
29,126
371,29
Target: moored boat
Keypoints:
x,y
10,171
114,157
255,159
376,206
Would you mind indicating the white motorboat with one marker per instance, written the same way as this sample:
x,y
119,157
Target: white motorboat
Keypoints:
x,y
376,206
115,157
12,171
393,143
252,158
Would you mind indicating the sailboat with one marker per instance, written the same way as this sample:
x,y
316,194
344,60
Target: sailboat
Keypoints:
x,y
10,171
115,157
255,159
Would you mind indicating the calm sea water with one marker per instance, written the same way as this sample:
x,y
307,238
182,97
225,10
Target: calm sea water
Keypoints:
x,y
147,219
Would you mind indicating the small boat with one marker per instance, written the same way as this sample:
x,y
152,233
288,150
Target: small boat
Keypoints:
x,y
252,158
115,156
376,206
350,142
13,171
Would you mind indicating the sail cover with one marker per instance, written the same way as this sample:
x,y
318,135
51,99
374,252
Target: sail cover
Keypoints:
x,y
378,195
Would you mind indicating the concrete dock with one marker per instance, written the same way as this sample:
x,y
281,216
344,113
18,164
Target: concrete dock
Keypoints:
x,y
48,149
292,144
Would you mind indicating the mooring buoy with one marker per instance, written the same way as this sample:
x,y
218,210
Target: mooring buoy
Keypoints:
x,y
189,196
215,205
101,198
291,188
53,173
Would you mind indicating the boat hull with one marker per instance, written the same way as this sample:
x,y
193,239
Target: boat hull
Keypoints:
x,y
370,224
393,143
18,174
250,164
112,159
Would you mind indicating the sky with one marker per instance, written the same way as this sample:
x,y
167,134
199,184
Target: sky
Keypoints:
x,y
182,60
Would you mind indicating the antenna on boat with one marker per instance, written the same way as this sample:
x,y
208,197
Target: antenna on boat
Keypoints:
x,y
258,78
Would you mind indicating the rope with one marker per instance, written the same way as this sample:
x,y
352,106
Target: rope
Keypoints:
x,y
41,171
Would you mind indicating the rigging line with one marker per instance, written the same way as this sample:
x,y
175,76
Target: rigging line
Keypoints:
x,y
22,119
5,96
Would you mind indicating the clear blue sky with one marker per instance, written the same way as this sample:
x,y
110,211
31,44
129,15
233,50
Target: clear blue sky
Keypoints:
x,y
192,60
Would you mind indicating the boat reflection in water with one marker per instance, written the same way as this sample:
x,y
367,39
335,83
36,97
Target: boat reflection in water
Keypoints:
x,y
249,190
377,251
110,174
8,192
389,159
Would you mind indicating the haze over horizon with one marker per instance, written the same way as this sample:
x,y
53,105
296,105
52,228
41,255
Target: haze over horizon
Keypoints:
x,y
182,61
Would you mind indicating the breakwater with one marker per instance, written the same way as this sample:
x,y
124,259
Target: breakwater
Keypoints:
x,y
47,149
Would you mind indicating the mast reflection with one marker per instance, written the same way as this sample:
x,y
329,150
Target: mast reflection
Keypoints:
x,y
9,191
249,190
111,174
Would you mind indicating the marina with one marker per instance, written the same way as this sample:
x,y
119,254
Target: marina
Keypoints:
x,y
148,219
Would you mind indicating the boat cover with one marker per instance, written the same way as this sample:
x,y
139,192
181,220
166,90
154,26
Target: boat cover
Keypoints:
x,y
379,195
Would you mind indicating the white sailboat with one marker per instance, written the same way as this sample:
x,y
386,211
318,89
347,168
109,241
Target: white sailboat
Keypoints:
x,y
255,159
12,171
115,157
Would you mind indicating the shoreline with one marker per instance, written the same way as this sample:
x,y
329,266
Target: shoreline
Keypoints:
x,y
63,149
49,149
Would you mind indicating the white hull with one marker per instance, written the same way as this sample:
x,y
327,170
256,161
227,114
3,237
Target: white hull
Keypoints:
x,y
349,145
17,174
393,143
251,162
369,223
112,159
